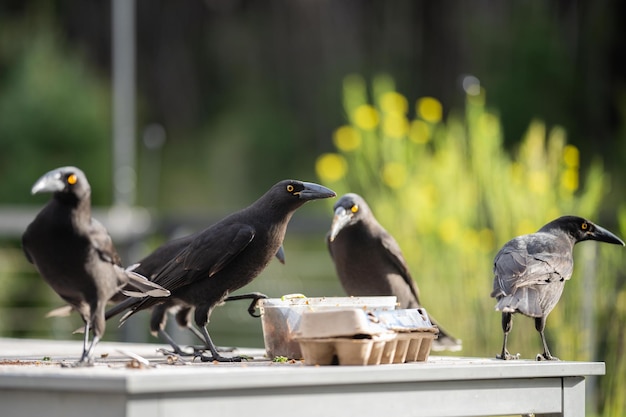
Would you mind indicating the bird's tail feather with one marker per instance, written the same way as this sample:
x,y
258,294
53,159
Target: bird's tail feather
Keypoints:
x,y
144,286
523,300
63,311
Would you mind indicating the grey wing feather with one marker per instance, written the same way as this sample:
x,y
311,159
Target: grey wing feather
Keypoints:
x,y
520,278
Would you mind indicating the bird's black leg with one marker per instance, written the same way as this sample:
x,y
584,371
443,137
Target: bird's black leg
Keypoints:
x,y
200,336
176,349
507,324
83,357
215,354
94,342
86,359
255,296
540,324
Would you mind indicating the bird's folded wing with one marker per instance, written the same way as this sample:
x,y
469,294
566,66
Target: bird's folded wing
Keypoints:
x,y
515,270
392,249
209,252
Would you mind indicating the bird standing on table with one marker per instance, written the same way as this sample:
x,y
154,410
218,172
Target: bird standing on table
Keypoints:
x,y
150,266
225,257
530,272
369,261
75,254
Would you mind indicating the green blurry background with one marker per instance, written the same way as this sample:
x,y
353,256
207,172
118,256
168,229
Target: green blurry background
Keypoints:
x,y
463,124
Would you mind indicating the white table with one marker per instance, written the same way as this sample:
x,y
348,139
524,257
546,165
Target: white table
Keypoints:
x,y
442,386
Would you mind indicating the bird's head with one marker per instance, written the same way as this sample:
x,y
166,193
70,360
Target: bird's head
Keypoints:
x,y
298,192
349,210
581,229
65,181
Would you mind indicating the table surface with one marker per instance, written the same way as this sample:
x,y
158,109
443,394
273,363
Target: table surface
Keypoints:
x,y
35,365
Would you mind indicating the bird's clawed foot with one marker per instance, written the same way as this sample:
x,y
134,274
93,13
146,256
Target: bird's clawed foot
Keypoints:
x,y
192,351
506,356
546,357
220,358
177,351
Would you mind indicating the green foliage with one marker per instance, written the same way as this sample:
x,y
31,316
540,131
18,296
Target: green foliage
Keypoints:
x,y
53,112
452,195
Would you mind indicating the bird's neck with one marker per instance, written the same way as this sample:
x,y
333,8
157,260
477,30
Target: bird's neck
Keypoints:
x,y
80,208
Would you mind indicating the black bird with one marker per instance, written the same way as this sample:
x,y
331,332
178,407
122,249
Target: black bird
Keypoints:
x,y
150,266
223,258
530,272
75,254
369,261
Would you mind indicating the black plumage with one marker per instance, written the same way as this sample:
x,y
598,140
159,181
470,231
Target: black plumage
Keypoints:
x,y
150,266
75,254
369,261
530,272
225,257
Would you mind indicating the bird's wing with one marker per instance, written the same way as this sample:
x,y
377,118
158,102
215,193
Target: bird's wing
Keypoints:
x,y
515,269
392,249
209,251
103,244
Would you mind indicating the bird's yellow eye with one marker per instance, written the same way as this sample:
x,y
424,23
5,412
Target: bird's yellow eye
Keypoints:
x,y
72,179
354,208
584,226
290,188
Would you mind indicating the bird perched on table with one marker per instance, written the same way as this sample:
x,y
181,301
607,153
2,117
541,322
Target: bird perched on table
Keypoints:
x,y
225,257
150,266
369,261
530,272
75,254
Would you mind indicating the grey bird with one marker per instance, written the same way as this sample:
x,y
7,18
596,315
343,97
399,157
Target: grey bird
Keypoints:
x,y
75,254
223,258
530,272
369,262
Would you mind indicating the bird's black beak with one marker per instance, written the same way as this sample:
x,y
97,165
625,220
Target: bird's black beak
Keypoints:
x,y
314,191
50,182
341,218
601,234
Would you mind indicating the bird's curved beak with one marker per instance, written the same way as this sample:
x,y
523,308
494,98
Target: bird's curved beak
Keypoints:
x,y
341,218
280,255
314,191
49,183
601,234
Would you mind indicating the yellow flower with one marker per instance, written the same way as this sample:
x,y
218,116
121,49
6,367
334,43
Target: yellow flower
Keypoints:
x,y
393,102
366,117
395,125
347,138
331,167
394,174
429,109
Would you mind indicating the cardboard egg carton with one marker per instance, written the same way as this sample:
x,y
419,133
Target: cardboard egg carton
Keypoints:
x,y
281,317
356,337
